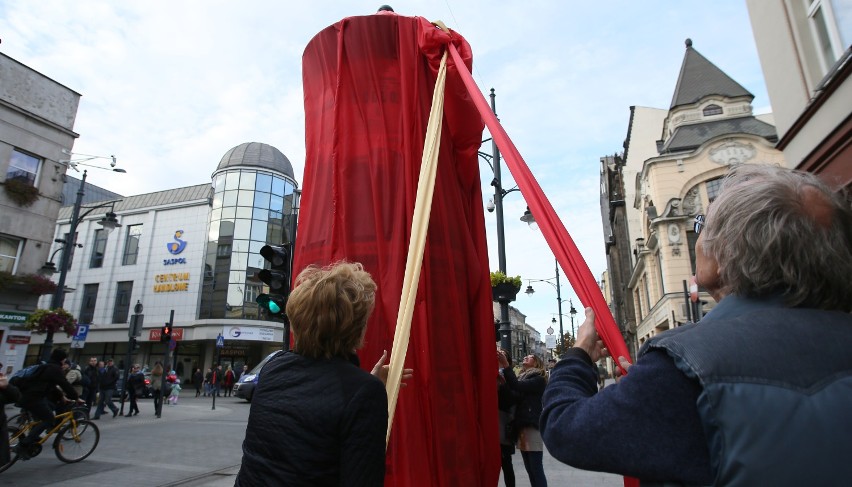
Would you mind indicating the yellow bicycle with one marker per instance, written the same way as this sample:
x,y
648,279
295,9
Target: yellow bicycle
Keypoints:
x,y
75,439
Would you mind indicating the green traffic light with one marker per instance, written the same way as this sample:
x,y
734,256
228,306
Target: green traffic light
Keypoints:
x,y
272,303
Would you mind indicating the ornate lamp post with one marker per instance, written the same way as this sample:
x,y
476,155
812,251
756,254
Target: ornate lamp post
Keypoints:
x,y
496,204
109,222
529,291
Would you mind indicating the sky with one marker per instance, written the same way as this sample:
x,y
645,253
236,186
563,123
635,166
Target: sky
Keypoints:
x,y
169,87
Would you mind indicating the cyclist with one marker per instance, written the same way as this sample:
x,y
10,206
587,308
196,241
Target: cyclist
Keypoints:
x,y
9,394
38,395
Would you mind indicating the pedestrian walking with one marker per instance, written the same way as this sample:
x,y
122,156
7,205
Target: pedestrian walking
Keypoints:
x,y
506,402
228,381
217,381
90,383
106,384
157,387
208,382
175,392
74,376
135,386
198,382
529,386
9,394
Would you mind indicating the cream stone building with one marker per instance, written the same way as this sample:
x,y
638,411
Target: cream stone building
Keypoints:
x,y
709,128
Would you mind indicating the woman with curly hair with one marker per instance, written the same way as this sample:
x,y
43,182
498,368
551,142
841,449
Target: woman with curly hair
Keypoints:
x,y
316,417
529,386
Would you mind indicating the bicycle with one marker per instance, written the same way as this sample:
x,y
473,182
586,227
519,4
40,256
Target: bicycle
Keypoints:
x,y
81,413
75,439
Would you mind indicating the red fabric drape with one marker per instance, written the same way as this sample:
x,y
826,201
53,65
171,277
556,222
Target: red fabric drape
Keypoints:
x,y
368,85
562,245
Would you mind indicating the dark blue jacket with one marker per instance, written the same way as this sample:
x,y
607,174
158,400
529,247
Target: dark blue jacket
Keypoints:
x,y
751,371
776,391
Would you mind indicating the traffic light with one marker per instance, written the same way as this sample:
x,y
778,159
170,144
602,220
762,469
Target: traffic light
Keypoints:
x,y
134,344
277,277
166,334
274,304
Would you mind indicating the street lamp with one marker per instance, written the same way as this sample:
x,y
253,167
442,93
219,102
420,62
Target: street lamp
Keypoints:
x,y
496,204
573,313
558,288
109,222
49,268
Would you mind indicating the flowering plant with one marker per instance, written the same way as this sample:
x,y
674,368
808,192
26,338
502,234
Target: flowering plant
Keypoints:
x,y
27,283
498,277
44,320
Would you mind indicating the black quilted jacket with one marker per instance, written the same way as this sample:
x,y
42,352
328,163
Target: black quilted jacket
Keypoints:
x,y
315,422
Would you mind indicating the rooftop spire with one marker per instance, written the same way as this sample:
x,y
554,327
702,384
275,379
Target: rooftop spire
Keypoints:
x,y
699,78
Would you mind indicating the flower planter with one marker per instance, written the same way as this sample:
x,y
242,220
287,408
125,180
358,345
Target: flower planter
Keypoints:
x,y
505,292
21,192
55,320
31,284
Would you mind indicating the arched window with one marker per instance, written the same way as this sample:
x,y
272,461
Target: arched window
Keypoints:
x,y
712,110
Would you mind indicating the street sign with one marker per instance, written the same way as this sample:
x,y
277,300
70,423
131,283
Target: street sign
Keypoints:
x,y
77,343
220,341
550,341
249,333
82,332
136,322
550,330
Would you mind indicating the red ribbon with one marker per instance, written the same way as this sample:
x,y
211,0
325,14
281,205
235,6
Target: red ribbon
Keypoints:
x,y
563,247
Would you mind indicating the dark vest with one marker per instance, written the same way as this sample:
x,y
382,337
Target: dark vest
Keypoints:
x,y
777,392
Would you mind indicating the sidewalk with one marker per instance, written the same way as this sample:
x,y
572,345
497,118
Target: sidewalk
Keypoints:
x,y
144,451
558,473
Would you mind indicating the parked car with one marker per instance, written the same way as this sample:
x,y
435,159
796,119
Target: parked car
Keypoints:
x,y
119,386
146,389
244,388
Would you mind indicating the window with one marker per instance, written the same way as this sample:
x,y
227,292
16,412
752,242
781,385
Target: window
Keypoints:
x,y
662,287
90,298
638,303
23,167
713,186
712,110
98,249
10,252
824,31
122,302
131,245
223,250
252,291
